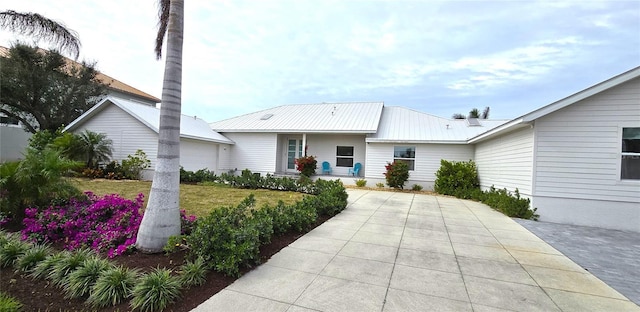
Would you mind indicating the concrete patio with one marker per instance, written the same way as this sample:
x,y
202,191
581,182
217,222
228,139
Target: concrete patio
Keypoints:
x,y
403,252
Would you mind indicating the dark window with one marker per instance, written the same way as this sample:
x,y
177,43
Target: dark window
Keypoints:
x,y
630,163
344,156
406,154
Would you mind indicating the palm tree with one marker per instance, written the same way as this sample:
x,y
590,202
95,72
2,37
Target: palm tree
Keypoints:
x,y
485,113
474,113
162,216
95,148
40,27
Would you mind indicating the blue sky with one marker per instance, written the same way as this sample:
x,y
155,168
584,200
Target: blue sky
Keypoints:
x,y
440,57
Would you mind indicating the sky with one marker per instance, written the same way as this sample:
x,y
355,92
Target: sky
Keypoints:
x,y
438,57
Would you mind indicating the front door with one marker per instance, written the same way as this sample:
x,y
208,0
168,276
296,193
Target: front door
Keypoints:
x,y
294,150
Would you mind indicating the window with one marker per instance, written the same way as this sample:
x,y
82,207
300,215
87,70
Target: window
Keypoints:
x,y
630,163
406,154
344,156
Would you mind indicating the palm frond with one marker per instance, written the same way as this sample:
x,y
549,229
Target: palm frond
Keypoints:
x,y
39,27
163,24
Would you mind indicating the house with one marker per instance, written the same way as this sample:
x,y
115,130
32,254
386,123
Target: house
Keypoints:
x,y
14,140
132,126
578,159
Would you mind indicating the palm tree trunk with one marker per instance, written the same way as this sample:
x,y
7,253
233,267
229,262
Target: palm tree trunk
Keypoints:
x,y
162,216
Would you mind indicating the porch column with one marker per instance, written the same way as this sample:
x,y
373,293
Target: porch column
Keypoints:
x,y
304,144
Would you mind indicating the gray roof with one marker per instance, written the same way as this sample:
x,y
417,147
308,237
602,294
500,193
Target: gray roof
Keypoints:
x,y
360,117
404,125
190,127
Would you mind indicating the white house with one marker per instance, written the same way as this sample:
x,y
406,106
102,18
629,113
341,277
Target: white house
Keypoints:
x,y
578,159
132,126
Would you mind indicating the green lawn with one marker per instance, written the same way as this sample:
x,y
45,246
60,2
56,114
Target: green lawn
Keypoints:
x,y
198,200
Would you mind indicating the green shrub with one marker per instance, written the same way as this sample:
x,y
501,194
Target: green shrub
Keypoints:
x,y
134,164
227,238
361,183
9,304
380,185
263,221
457,178
174,243
512,205
34,255
416,187
85,277
64,267
202,175
331,197
193,273
44,267
155,290
11,250
112,287
397,174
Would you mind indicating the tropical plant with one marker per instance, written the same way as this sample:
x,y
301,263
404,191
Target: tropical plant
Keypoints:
x,y
473,113
113,286
9,304
193,273
11,251
40,27
397,174
46,92
95,148
44,267
306,165
162,217
60,271
155,291
82,280
34,255
134,164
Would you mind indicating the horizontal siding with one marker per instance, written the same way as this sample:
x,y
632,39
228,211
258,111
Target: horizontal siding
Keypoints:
x,y
427,162
253,151
126,133
507,161
578,147
196,155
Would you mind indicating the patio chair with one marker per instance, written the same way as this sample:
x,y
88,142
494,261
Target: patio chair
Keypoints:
x,y
355,171
326,167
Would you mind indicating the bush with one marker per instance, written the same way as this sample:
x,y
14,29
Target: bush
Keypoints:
x,y
331,197
397,174
380,185
133,165
457,178
155,291
44,267
510,204
34,255
193,273
112,287
227,238
60,271
35,181
306,165
361,183
202,175
9,304
11,250
416,187
108,223
85,277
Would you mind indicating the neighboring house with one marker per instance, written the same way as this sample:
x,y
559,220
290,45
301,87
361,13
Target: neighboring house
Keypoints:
x,y
132,126
13,139
578,159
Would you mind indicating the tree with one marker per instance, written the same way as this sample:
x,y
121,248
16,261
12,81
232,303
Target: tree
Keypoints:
x,y
43,91
162,216
40,27
94,148
474,113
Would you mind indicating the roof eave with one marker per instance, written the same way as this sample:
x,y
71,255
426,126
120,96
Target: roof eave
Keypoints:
x,y
194,137
509,126
293,131
92,111
374,140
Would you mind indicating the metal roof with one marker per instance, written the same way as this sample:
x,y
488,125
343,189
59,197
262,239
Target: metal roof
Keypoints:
x,y
362,117
190,126
404,125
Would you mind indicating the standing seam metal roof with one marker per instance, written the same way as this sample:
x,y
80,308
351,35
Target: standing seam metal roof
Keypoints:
x,y
400,124
362,117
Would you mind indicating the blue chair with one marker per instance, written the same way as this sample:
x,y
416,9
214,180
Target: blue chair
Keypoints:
x,y
326,167
355,171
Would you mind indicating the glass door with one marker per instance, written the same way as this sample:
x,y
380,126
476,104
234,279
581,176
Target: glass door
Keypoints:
x,y
294,150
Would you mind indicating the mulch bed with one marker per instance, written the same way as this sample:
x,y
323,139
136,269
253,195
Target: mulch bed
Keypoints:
x,y
41,295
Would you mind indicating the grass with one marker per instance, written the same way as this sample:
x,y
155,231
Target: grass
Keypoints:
x,y
198,200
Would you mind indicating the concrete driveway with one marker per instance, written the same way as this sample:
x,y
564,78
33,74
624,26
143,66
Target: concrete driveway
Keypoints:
x,y
403,252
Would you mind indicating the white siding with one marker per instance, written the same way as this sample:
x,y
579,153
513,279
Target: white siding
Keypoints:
x,y
507,161
578,147
127,133
253,151
324,148
196,155
427,162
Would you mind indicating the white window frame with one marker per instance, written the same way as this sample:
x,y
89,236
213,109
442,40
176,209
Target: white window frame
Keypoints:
x,y
621,153
406,158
